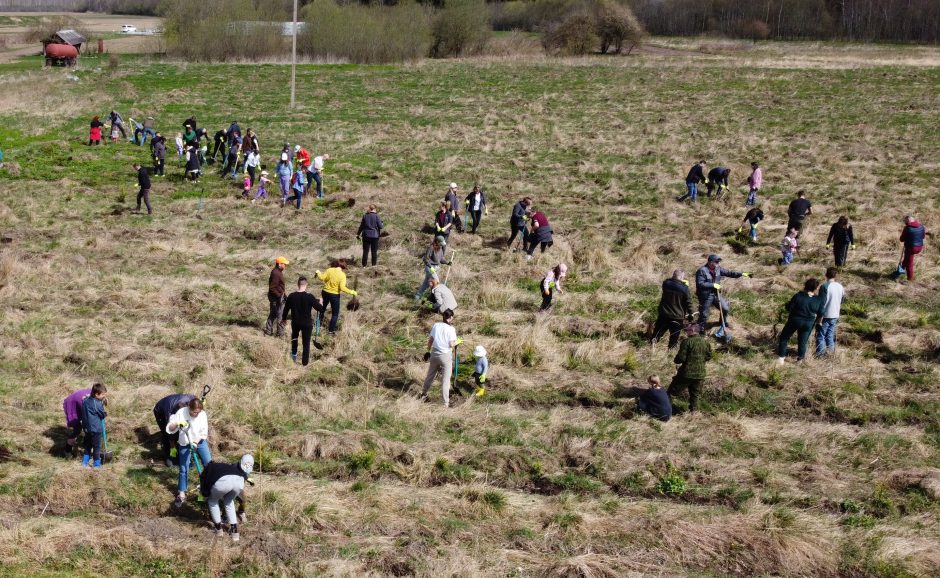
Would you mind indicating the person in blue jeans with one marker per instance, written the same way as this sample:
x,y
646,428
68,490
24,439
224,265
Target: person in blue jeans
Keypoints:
x,y
832,293
192,425
93,415
803,308
696,175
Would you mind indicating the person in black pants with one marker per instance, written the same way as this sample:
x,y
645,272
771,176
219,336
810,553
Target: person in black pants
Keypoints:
x,y
143,181
675,308
517,221
369,230
840,240
158,148
476,206
299,307
717,179
219,144
799,208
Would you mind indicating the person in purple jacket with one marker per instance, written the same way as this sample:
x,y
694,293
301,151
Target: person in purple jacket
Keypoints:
x,y
73,415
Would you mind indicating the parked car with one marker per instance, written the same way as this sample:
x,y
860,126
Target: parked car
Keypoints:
x,y
128,29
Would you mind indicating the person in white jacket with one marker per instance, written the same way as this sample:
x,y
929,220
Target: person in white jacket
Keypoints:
x,y
192,423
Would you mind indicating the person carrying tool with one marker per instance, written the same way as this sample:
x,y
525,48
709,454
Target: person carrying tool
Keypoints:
x,y
93,414
432,260
654,401
158,150
754,216
192,424
441,298
218,143
789,247
72,406
443,221
231,159
299,307
162,412
276,292
475,204
803,308
480,370
708,287
696,175
841,238
754,182
220,482
799,209
441,342
143,181
450,197
117,122
233,130
540,233
718,179
694,353
518,220
832,293
370,228
913,238
675,308
334,284
316,175
550,283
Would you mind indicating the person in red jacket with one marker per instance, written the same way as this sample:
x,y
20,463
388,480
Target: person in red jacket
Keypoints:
x,y
302,158
913,238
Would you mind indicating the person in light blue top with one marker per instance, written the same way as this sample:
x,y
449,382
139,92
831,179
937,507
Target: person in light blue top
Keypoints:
x,y
481,369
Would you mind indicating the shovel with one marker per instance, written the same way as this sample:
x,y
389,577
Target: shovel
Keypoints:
x,y
353,304
316,335
722,332
106,456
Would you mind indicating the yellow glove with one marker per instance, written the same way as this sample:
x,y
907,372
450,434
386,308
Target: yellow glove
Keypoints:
x,y
459,341
480,391
829,245
740,229
482,378
183,424
706,181
685,282
746,275
717,286
433,270
354,293
852,247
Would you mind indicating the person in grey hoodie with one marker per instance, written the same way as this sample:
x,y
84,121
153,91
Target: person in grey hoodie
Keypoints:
x,y
831,294
225,483
433,259
442,298
369,230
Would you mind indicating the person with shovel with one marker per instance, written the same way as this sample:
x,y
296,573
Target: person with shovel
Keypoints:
x,y
675,308
276,290
432,260
708,288
370,228
72,406
442,344
518,220
694,353
717,179
93,414
441,298
696,175
334,284
192,424
803,308
220,482
162,412
299,307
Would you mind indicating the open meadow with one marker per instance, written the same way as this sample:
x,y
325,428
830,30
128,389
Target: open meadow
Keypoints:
x,y
825,469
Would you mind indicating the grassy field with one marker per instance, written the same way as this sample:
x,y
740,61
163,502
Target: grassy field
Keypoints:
x,y
824,469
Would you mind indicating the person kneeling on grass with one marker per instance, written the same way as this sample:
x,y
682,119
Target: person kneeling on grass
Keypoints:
x,y
225,483
93,415
654,401
803,307
192,423
441,341
480,370
694,353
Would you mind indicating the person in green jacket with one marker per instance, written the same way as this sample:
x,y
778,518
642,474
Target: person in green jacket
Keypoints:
x,y
694,353
803,308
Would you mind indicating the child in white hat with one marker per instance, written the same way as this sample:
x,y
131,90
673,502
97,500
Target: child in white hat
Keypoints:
x,y
482,367
262,187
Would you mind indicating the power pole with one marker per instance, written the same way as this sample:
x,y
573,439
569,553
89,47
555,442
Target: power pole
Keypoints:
x,y
293,62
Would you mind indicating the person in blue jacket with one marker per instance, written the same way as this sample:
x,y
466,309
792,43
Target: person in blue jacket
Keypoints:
x,y
93,414
162,412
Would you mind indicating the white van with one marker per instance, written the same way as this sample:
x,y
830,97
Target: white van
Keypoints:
x,y
128,29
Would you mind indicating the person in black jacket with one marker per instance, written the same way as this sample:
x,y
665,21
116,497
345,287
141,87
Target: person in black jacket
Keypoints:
x,y
158,150
143,181
369,230
654,401
718,178
696,175
165,408
476,206
840,240
299,307
799,208
675,308
517,221
220,482
218,140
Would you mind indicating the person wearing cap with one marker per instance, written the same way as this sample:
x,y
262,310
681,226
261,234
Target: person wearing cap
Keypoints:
x,y
284,170
694,353
143,181
442,341
518,220
550,283
221,482
441,298
675,308
480,370
708,287
263,183
275,323
370,228
451,197
476,206
317,173
432,260
334,284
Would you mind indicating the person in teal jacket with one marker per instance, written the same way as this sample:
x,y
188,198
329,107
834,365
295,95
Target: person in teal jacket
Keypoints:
x,y
803,308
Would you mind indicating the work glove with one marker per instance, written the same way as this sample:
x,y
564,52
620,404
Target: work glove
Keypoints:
x,y
829,245
740,229
183,424
482,378
706,181
525,217
852,247
458,342
746,275
433,270
318,272
430,306
685,282
354,293
427,355
717,286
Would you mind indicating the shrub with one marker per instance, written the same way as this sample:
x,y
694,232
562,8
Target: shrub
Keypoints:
x,y
573,35
221,30
616,26
365,34
578,27
460,29
755,30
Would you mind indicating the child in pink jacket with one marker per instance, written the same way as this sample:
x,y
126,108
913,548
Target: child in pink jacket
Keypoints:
x,y
754,182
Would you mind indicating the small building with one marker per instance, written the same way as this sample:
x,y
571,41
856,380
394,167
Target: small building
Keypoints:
x,y
70,37
62,48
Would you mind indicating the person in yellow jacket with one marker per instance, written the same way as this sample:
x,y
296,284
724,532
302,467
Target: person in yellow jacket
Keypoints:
x,y
334,283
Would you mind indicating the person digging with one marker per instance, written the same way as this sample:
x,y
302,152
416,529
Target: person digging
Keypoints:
x,y
433,259
708,287
441,298
220,482
162,412
694,353
299,307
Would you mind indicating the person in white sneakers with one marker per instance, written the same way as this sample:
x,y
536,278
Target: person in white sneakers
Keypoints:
x,y
442,340
225,483
192,424
833,293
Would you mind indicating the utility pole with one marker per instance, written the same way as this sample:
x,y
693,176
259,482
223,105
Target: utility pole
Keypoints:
x,y
293,62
